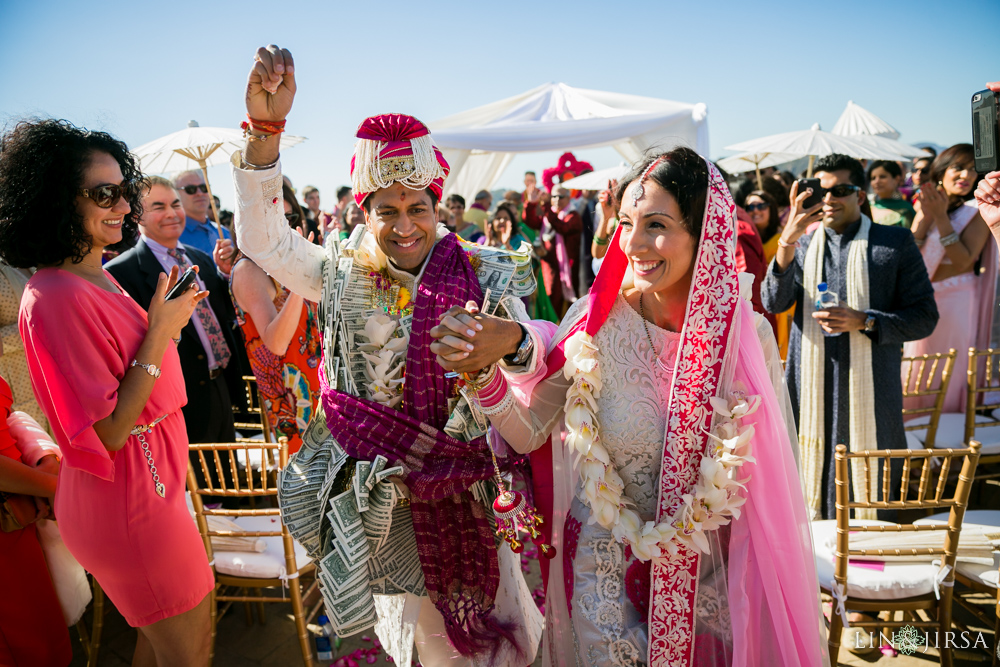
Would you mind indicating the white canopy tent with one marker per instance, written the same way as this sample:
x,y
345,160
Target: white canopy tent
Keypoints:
x,y
480,143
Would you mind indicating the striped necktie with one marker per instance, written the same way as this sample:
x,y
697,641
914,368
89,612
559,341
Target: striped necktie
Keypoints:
x,y
220,349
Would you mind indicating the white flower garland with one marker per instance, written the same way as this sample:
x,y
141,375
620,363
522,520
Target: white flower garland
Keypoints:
x,y
715,496
385,351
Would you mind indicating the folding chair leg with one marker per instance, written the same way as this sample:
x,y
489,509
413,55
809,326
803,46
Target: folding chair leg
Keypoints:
x,y
944,616
836,630
260,607
213,614
97,626
248,610
300,623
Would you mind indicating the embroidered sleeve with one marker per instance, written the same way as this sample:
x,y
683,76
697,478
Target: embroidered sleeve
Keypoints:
x,y
265,237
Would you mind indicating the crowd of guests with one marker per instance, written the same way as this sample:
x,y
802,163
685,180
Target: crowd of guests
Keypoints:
x,y
903,246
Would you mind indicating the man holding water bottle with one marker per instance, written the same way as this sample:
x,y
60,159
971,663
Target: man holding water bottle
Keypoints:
x,y
840,357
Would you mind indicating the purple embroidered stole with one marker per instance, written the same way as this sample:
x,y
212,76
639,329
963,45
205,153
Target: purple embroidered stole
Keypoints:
x,y
454,532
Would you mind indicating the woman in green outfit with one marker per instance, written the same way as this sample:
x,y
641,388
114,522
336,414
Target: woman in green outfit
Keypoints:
x,y
888,206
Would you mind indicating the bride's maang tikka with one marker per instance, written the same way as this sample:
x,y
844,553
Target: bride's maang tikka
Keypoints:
x,y
639,190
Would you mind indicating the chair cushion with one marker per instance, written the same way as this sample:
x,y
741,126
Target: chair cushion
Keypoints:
x,y
267,565
951,432
891,581
987,574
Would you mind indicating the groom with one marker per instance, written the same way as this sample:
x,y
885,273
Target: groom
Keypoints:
x,y
392,490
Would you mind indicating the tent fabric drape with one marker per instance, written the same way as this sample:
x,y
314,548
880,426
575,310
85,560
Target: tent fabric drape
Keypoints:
x,y
481,142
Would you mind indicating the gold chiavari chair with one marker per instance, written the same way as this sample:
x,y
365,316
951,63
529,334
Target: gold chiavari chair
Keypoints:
x,y
981,416
926,592
925,376
289,565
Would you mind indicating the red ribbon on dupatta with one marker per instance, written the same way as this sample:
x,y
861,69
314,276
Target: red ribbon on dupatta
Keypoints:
x,y
711,309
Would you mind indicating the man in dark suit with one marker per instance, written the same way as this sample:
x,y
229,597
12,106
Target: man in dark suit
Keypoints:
x,y
209,345
901,307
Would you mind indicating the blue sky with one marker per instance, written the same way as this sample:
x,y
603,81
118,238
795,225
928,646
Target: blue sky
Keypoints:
x,y
141,70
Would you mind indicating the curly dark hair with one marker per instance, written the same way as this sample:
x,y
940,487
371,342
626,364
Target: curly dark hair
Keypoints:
x,y
42,163
684,174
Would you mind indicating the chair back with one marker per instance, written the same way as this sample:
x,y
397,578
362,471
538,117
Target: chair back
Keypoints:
x,y
215,465
984,379
925,498
255,406
927,375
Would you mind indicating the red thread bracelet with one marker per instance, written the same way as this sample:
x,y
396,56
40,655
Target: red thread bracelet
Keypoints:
x,y
270,127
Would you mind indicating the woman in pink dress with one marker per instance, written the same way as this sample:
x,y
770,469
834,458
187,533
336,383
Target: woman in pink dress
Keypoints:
x,y
953,240
108,378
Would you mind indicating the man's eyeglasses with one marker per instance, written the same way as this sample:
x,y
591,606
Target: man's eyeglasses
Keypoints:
x,y
757,207
839,190
292,218
191,189
105,196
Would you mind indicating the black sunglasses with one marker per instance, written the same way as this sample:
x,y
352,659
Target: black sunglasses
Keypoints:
x,y
757,207
191,189
839,190
105,196
292,218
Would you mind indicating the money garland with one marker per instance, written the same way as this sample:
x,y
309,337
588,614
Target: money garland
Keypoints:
x,y
715,496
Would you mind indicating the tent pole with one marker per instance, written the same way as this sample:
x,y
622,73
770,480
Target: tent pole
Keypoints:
x,y
809,171
760,183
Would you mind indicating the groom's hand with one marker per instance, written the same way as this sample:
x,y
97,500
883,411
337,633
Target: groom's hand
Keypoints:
x,y
467,341
269,94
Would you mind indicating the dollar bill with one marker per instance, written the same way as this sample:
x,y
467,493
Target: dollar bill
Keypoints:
x,y
377,466
361,471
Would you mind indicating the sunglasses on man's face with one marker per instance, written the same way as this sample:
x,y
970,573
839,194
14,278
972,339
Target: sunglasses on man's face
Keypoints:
x,y
105,196
839,190
757,207
191,189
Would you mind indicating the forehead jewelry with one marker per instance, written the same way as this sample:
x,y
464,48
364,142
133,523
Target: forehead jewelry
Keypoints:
x,y
639,190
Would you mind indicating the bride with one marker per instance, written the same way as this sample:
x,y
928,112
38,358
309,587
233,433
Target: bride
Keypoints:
x,y
678,517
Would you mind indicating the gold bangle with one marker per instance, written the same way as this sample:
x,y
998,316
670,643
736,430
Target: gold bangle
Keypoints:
x,y
783,244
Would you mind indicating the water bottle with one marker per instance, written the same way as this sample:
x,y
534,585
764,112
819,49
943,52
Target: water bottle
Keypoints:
x,y
324,651
826,300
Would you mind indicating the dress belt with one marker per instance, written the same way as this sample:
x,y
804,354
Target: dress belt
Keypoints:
x,y
139,430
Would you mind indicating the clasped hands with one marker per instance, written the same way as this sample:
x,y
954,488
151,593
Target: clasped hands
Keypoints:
x,y
467,341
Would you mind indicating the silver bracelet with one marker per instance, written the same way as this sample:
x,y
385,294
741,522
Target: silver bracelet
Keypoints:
x,y
950,239
920,242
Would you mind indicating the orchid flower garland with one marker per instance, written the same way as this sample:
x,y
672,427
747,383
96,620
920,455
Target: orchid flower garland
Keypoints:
x,y
713,500
385,351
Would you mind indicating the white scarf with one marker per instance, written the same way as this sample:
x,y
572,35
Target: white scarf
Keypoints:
x,y
861,389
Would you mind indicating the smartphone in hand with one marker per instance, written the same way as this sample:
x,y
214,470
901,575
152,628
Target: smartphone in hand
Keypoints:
x,y
182,285
817,194
986,131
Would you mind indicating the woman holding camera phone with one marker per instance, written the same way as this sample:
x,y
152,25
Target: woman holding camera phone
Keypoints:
x,y
107,376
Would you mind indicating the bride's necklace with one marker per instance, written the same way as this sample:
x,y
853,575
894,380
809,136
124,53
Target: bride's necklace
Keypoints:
x,y
642,314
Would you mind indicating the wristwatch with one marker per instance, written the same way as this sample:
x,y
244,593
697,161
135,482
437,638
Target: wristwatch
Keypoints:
x,y
523,352
149,368
870,323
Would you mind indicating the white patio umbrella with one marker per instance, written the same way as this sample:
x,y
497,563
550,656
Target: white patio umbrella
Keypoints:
x,y
196,147
737,164
813,142
861,124
597,180
858,120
